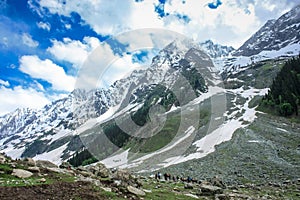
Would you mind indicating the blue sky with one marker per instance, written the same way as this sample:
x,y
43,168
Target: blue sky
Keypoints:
x,y
44,43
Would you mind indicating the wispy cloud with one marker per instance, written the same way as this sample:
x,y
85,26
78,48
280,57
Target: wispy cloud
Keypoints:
x,y
44,25
27,40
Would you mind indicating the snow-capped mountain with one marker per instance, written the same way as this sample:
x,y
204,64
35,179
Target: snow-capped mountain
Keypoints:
x,y
216,50
51,130
277,38
21,128
274,35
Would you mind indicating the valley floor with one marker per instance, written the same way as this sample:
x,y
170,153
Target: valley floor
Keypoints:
x,y
154,190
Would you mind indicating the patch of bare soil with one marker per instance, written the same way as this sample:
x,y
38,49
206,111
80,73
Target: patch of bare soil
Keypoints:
x,y
59,191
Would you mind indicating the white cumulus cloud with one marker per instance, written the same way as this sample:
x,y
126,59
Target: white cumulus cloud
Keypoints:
x,y
48,71
73,51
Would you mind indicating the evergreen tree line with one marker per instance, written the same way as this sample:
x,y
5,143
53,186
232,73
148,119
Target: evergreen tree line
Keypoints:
x,y
82,158
284,94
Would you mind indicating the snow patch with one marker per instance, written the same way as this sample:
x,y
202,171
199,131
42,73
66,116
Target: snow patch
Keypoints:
x,y
53,156
14,153
116,160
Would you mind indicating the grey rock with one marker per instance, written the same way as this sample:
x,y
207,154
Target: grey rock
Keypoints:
x,y
21,173
106,189
117,183
30,161
45,164
192,195
188,186
210,190
216,181
42,180
34,169
65,165
2,159
123,175
100,170
135,191
147,191
85,173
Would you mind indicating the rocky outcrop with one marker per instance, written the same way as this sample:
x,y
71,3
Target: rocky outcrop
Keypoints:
x,y
45,164
100,170
30,161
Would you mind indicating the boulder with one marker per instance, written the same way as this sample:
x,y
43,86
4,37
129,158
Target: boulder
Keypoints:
x,y
2,159
100,170
147,191
210,190
42,180
135,191
192,196
106,189
34,169
216,181
85,173
122,175
21,173
82,168
188,186
117,183
65,165
30,161
229,196
45,164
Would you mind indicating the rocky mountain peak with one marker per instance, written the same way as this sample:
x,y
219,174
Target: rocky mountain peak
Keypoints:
x,y
273,35
215,50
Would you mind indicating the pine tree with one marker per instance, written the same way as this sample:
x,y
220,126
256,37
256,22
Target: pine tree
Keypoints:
x,y
284,94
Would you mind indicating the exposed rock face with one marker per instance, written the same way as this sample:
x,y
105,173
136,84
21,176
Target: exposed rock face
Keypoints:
x,y
21,173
